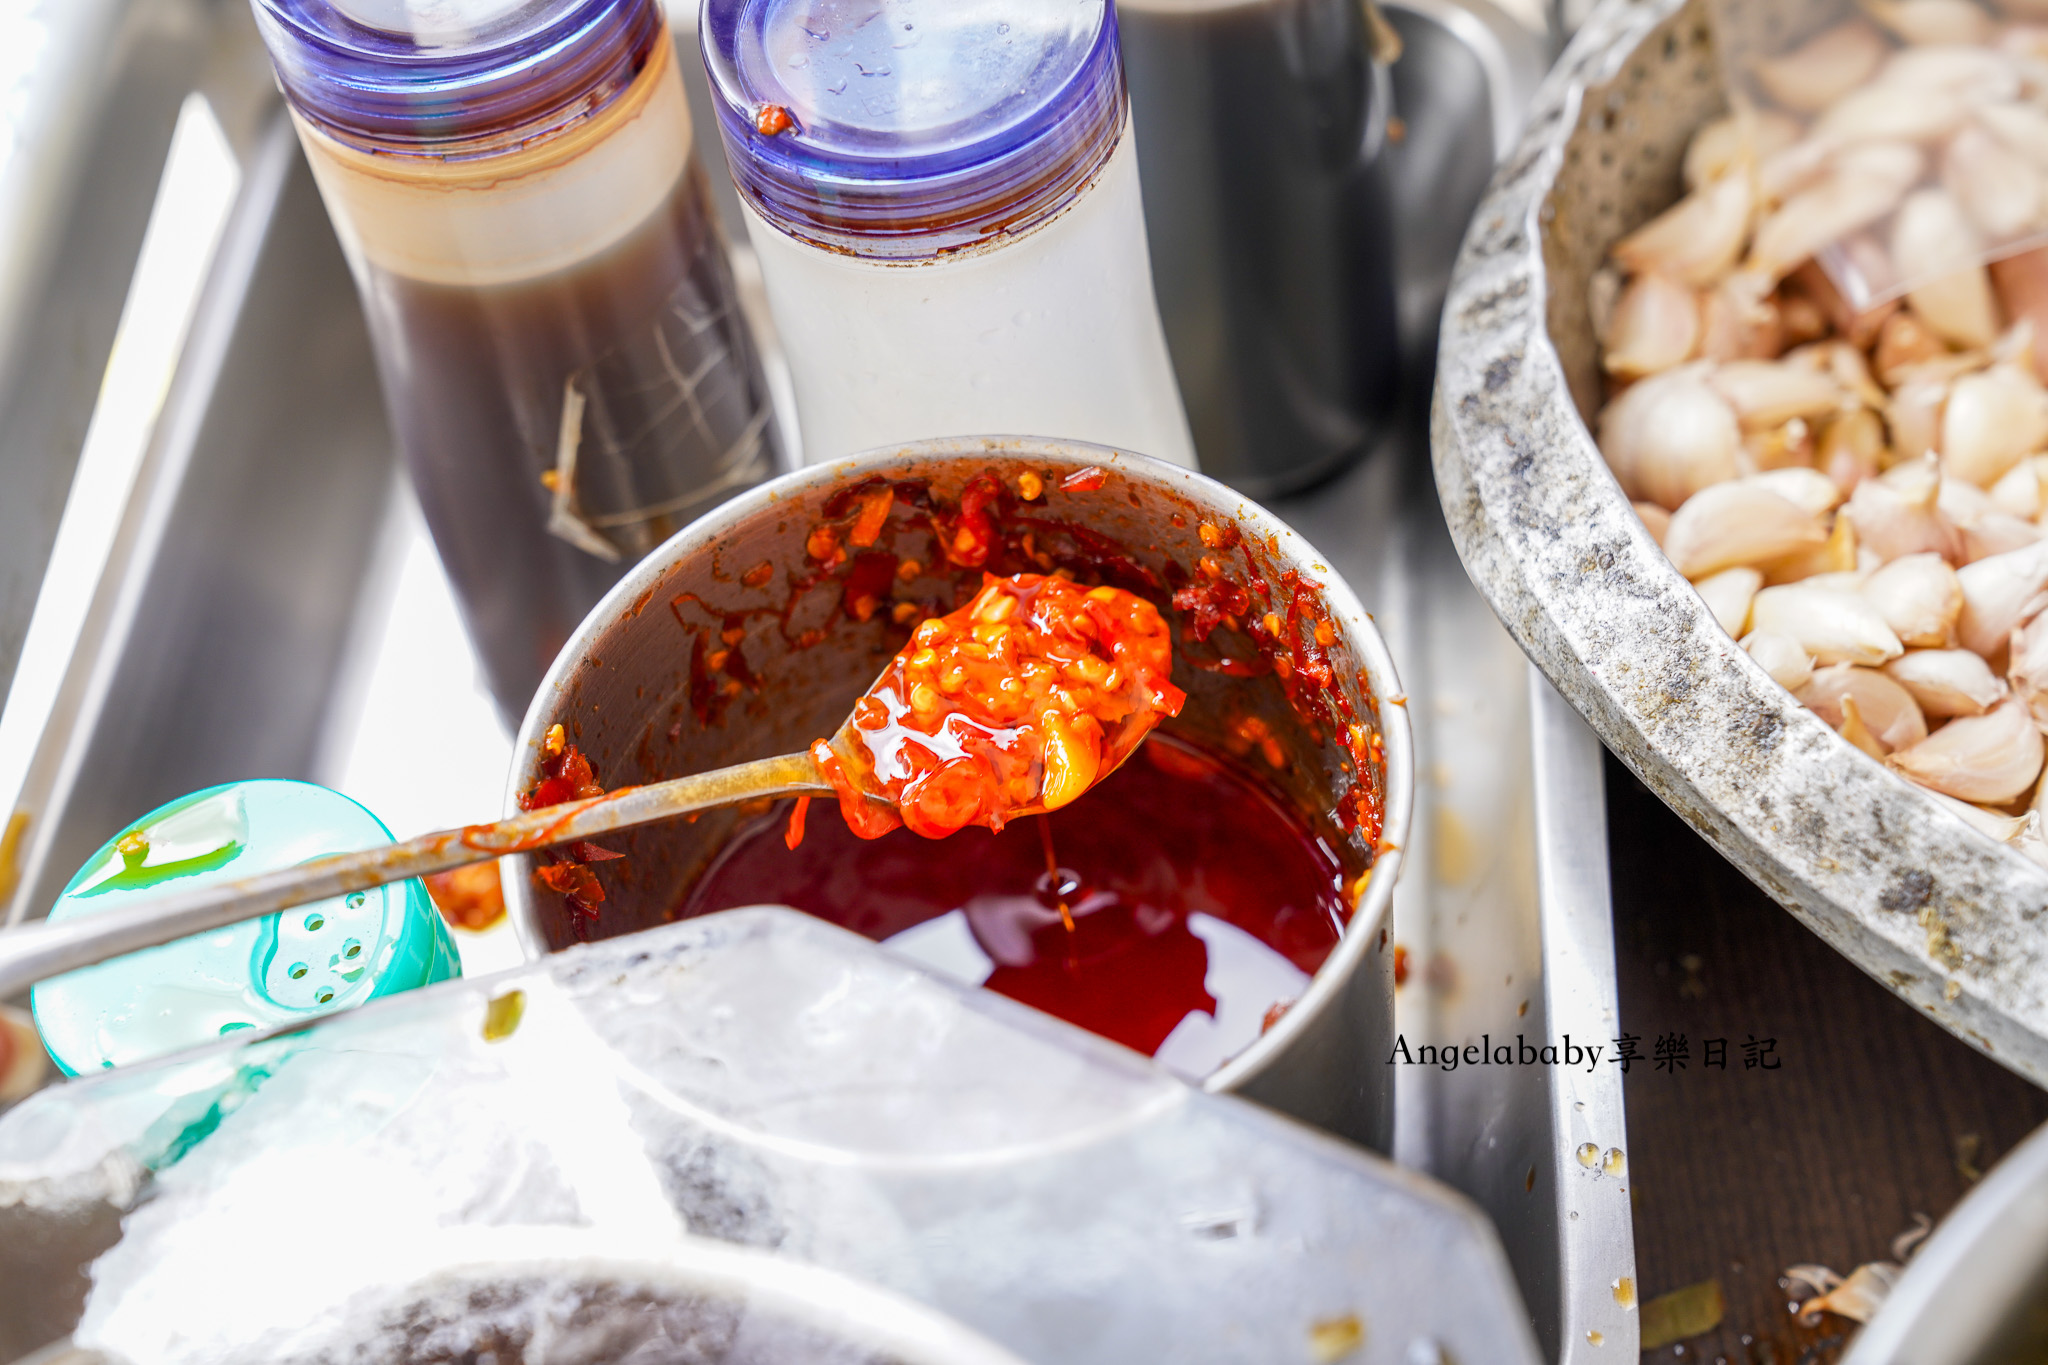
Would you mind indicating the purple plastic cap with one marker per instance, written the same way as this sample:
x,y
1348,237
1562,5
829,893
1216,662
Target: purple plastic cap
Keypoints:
x,y
911,128
458,79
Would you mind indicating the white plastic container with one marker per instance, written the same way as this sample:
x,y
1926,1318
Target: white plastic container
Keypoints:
x,y
946,210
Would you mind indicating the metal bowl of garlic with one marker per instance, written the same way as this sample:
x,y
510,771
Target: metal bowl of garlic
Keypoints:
x,y
1856,498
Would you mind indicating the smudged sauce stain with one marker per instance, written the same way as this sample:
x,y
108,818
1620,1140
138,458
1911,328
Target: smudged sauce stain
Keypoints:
x,y
568,787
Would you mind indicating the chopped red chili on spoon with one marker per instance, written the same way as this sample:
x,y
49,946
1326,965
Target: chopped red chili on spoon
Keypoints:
x,y
1014,704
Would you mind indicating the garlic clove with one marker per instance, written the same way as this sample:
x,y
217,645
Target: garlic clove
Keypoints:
x,y
1789,446
1858,733
1837,558
2021,283
1839,580
1852,448
1935,243
1794,167
1981,75
2021,127
1995,533
2027,668
1736,142
2030,842
2015,346
1989,759
1996,592
1834,625
2024,38
1861,255
1727,595
1655,520
1807,488
1670,435
1992,420
1858,330
1914,415
1847,366
1698,239
1781,657
1896,514
2018,491
1964,504
1859,187
1885,113
1932,21
1918,480
1999,189
1769,393
1998,825
1800,320
1919,597
1903,341
1948,682
1738,522
1655,325
1824,68
1737,322
1882,704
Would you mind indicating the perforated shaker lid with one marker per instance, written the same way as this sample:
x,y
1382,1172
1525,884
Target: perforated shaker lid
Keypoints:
x,y
281,969
909,128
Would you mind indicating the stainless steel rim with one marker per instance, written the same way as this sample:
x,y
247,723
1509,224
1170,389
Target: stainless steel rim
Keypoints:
x,y
1371,914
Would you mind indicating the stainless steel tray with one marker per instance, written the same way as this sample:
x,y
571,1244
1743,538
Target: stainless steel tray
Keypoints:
x,y
261,588
1504,907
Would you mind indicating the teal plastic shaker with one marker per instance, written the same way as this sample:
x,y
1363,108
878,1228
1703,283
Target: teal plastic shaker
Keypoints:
x,y
280,969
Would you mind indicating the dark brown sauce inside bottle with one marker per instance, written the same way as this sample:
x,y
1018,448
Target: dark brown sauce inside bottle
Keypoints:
x,y
675,419
1198,902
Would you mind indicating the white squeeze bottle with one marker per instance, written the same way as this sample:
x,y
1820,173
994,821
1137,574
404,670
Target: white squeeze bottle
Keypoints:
x,y
944,198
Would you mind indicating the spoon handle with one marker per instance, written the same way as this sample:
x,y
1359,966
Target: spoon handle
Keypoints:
x,y
31,953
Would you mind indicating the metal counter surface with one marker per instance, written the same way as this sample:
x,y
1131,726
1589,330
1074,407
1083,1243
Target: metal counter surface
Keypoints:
x,y
269,615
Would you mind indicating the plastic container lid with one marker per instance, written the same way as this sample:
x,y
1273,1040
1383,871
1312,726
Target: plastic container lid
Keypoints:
x,y
455,78
278,970
910,128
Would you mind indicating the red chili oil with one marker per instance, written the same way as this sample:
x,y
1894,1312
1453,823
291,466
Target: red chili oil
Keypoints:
x,y
1198,901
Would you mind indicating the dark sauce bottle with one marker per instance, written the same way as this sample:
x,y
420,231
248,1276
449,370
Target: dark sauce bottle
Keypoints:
x,y
1178,908
1259,125
556,325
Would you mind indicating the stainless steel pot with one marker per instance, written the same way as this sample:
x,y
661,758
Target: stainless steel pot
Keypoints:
x,y
1977,1292
570,1296
1912,895
623,688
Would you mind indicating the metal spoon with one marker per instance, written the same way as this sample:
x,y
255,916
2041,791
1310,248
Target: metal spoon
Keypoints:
x,y
34,952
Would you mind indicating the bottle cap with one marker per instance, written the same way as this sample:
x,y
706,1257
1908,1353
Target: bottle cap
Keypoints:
x,y
455,78
277,970
912,128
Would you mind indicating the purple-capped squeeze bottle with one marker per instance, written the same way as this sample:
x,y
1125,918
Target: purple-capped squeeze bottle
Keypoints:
x,y
944,199
555,321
